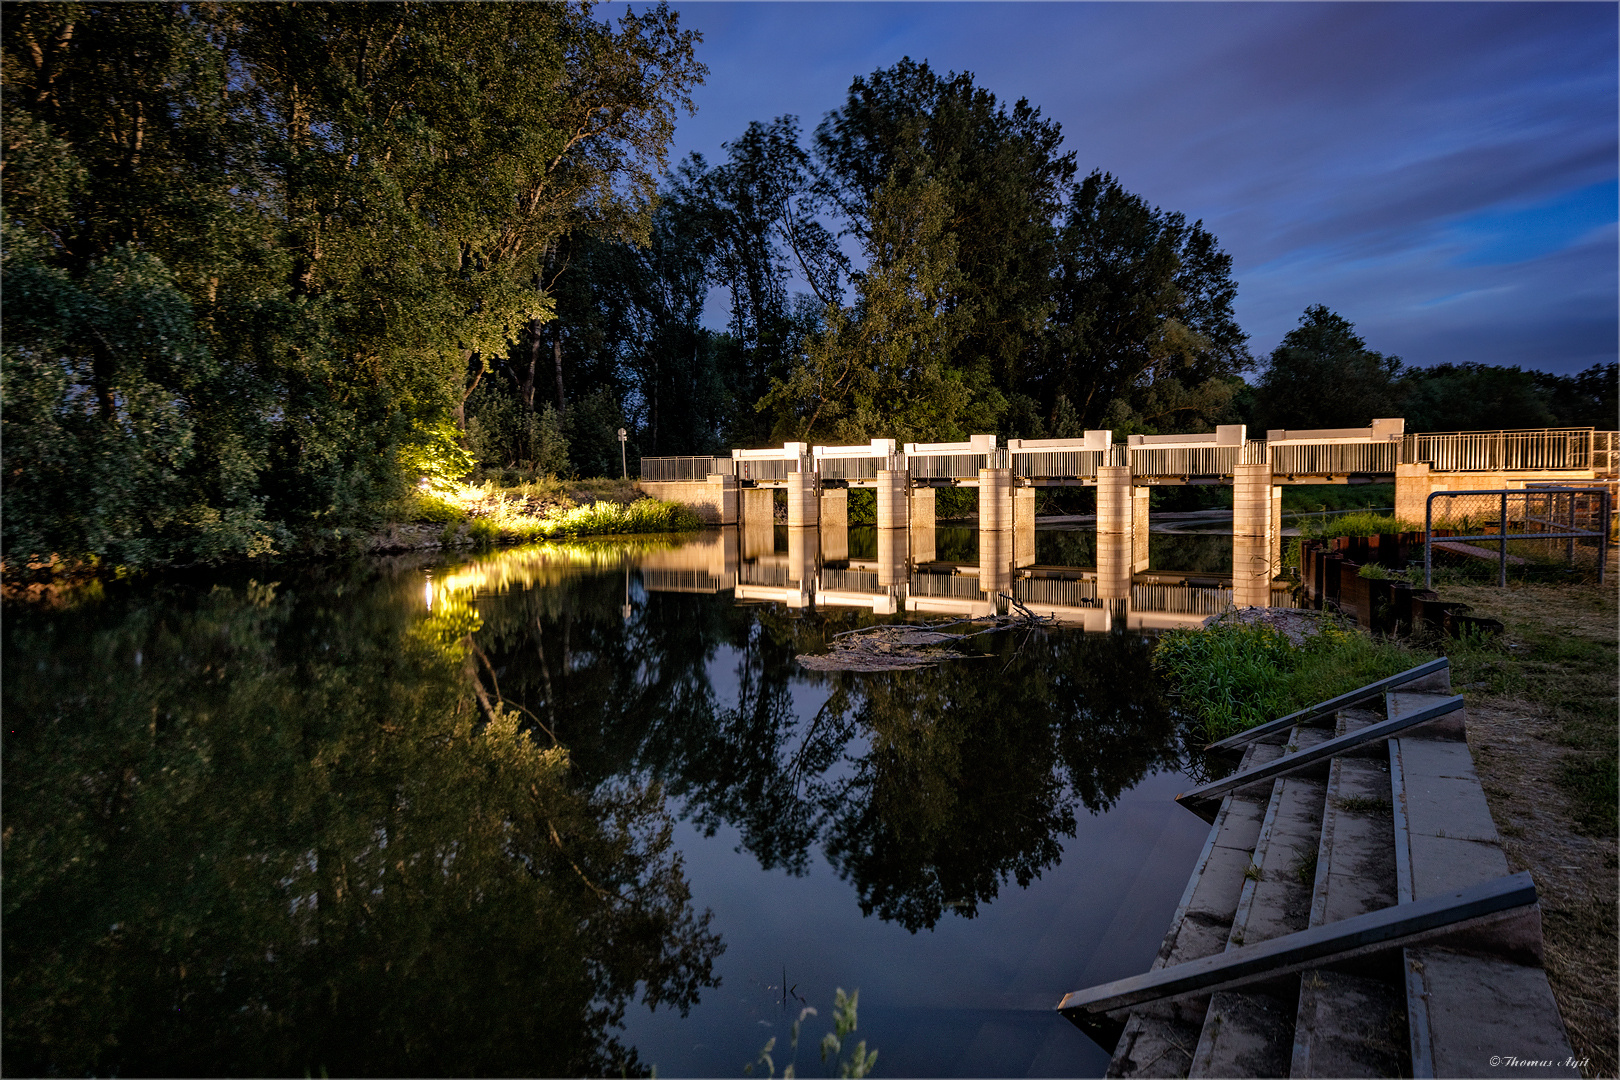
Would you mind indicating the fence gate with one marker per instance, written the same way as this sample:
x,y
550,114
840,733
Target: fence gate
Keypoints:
x,y
1547,525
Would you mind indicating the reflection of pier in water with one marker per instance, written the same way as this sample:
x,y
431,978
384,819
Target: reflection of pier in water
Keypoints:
x,y
816,572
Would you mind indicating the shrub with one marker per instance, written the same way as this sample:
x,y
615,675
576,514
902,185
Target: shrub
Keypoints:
x,y
1232,676
432,509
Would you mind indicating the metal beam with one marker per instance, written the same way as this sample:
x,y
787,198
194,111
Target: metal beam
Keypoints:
x,y
1320,752
1332,705
1385,928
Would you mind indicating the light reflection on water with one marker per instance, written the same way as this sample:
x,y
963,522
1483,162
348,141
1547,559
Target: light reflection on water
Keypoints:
x,y
964,844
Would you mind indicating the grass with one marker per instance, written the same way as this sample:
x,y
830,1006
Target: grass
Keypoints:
x,y
1358,524
1310,498
1230,677
1542,723
543,509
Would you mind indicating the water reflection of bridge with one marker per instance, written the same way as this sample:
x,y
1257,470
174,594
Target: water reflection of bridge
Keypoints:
x,y
738,487
816,572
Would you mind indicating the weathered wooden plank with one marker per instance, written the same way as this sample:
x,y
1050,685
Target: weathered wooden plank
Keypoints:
x,y
1332,705
1319,945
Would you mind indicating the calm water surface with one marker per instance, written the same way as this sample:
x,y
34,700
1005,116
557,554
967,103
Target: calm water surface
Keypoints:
x,y
435,816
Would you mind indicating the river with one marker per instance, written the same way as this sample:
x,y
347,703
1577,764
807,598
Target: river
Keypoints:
x,y
445,815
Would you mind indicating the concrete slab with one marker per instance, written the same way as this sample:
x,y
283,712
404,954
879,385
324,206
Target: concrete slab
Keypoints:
x,y
1349,1026
1247,1034
1448,806
1441,864
1159,1040
1483,1017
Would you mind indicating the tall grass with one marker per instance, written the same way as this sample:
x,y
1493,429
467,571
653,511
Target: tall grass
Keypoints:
x,y
1364,524
603,519
1229,677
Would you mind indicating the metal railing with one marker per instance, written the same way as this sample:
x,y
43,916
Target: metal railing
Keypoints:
x,y
1056,464
1557,518
851,468
766,469
853,581
950,586
1183,460
657,579
1057,592
947,466
1181,599
684,468
768,572
1503,451
1334,459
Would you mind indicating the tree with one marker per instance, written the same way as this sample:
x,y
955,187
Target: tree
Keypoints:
x,y
998,173
887,365
1473,397
357,204
1142,336
1324,376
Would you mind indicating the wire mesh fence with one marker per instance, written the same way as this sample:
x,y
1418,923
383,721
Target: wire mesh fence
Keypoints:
x,y
1524,531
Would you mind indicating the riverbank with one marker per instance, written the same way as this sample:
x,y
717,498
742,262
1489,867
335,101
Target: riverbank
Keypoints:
x,y
481,515
1542,727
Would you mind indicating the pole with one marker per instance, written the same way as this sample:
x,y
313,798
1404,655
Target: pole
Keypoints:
x,y
1501,571
1428,541
624,467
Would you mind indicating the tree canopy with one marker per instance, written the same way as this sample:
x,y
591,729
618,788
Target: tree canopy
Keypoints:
x,y
258,255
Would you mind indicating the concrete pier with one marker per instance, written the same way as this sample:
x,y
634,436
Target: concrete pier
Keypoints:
x,y
1253,541
891,558
804,497
893,502
1116,526
834,508
920,516
1023,526
804,558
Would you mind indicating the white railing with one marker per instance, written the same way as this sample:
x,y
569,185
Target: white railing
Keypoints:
x,y
1336,458
1547,449
697,467
1057,592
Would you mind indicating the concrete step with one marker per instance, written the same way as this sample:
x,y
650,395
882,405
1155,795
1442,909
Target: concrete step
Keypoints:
x,y
1349,1025
1353,1024
1250,1032
1159,1039
1471,1001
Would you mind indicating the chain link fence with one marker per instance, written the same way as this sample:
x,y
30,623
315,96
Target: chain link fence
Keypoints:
x,y
1534,529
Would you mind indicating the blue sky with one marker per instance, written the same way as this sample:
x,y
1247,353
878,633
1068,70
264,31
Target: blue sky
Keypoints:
x,y
1443,175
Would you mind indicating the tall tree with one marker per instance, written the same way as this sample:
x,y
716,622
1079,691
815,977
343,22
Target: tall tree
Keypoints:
x,y
1143,327
998,170
1324,376
354,203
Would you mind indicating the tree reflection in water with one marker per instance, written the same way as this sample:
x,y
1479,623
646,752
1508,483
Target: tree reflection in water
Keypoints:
x,y
927,789
267,829
322,825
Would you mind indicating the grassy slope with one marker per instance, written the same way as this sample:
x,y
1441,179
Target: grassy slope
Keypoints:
x,y
1542,721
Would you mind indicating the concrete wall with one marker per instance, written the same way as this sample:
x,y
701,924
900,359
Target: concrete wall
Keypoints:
x,y
714,499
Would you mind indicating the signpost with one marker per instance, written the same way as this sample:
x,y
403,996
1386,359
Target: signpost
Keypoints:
x,y
624,468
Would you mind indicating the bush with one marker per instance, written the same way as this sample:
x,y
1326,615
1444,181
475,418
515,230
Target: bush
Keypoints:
x,y
1232,676
432,509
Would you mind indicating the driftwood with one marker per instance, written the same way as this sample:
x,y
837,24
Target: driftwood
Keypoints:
x,y
903,647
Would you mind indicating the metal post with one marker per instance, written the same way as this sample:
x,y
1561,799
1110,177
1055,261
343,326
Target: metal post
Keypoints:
x,y
624,467
1501,527
1603,536
1428,540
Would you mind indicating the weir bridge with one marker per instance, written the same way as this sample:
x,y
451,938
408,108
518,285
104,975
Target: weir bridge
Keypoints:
x,y
739,489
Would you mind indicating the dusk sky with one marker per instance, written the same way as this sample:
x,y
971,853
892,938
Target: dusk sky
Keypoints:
x,y
1443,175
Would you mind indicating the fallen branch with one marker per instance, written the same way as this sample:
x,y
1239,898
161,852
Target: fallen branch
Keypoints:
x,y
904,647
